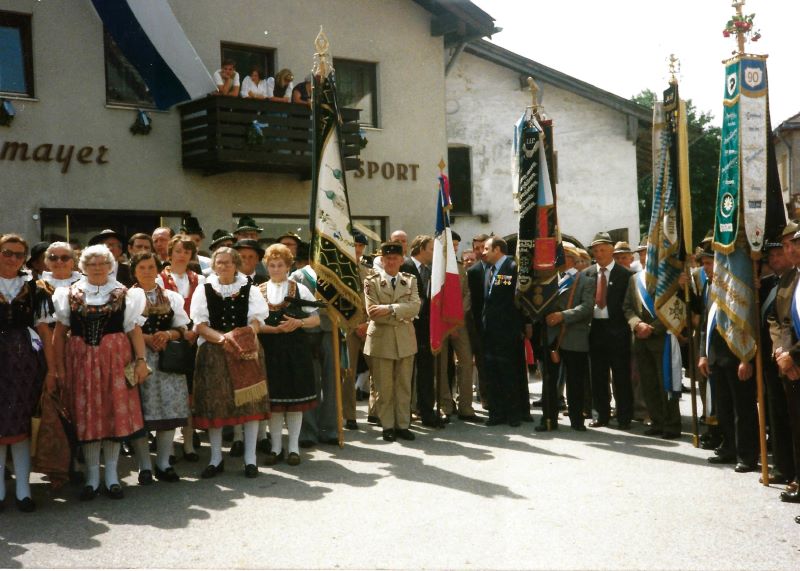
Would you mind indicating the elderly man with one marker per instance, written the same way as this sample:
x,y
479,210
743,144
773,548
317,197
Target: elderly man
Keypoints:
x,y
161,237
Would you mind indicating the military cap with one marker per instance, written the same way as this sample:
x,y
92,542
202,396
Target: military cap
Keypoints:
x,y
601,238
388,248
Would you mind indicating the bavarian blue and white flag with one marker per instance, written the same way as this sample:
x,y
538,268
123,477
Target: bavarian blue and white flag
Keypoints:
x,y
151,38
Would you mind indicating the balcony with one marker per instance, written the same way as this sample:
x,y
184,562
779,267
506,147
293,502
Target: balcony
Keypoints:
x,y
217,135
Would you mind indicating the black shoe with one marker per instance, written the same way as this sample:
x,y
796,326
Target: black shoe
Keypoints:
x,y
306,443
115,492
579,427
671,435
273,458
514,423
168,475
373,420
88,493
470,418
790,497
191,457
237,449
210,471
743,467
293,459
251,471
405,434
722,459
145,477
351,425
264,445
598,424
388,435
653,432
434,422
26,505
495,422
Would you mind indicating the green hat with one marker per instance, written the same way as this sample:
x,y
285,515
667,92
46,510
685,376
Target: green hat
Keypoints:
x,y
622,248
219,236
248,223
601,238
388,248
298,240
190,225
252,244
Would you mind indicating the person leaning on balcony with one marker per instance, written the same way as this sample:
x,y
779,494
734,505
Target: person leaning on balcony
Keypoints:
x,y
255,86
302,92
227,79
280,88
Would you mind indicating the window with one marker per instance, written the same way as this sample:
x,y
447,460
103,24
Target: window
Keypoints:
x,y
247,57
460,169
81,225
357,87
16,54
124,85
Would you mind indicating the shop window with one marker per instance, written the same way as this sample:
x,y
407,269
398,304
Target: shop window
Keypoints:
x,y
124,85
357,88
248,57
460,169
16,54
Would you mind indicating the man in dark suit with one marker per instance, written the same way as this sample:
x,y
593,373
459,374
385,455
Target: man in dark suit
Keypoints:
x,y
418,264
502,327
476,281
610,336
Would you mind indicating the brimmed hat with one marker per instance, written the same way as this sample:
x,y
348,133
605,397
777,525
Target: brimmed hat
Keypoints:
x,y
252,244
221,235
190,225
388,248
642,243
601,238
104,235
705,252
584,254
790,228
360,238
570,249
622,248
298,240
708,238
37,250
247,223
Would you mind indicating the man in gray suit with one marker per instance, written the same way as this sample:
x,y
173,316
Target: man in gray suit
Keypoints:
x,y
568,338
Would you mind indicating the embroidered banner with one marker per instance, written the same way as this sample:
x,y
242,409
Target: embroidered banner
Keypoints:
x,y
753,147
726,226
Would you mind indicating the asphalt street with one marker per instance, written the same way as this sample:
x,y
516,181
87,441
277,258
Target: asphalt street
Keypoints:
x,y
466,496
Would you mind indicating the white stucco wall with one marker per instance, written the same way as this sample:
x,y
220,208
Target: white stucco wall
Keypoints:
x,y
596,163
144,172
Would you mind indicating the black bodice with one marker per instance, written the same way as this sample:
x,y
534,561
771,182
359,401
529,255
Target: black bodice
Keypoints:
x,y
226,314
19,312
93,322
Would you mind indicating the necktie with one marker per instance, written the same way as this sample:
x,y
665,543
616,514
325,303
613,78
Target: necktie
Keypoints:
x,y
490,280
394,282
602,287
425,274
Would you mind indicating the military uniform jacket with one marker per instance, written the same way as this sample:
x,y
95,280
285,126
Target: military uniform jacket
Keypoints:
x,y
392,336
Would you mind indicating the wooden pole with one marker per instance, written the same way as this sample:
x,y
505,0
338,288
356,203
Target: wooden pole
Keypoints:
x,y
762,417
337,376
692,369
66,217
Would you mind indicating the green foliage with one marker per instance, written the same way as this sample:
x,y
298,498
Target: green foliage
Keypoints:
x,y
704,145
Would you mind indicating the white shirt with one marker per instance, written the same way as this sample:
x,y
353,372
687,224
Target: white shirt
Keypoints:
x,y
260,88
179,319
257,308
182,282
135,301
48,277
276,292
603,313
219,81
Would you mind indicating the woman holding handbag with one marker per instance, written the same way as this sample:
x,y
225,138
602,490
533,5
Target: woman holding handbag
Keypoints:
x,y
104,319
165,397
23,307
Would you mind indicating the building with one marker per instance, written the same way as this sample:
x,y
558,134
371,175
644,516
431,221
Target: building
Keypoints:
x,y
787,152
70,164
598,137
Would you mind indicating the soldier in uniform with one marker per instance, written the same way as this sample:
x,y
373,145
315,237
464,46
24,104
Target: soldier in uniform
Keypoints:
x,y
392,303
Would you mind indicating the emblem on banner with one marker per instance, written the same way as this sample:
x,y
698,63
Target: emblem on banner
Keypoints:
x,y
753,76
731,84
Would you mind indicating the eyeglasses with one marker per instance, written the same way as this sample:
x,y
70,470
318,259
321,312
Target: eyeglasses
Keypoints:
x,y
56,258
97,264
10,253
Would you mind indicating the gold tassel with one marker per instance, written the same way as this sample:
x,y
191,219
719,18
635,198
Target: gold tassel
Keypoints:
x,y
250,394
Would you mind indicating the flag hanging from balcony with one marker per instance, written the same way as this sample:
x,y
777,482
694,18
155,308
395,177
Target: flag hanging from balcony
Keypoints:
x,y
333,250
151,38
539,249
447,309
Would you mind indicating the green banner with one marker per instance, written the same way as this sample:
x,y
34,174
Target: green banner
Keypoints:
x,y
727,216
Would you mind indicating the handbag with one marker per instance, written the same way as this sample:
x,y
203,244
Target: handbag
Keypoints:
x,y
555,356
177,357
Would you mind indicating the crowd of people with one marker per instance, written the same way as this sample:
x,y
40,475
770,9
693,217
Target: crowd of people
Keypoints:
x,y
135,345
256,85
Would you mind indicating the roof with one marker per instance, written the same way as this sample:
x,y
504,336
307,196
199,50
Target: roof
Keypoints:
x,y
523,65
458,20
791,124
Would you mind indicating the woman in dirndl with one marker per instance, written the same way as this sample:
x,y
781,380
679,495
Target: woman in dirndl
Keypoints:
x,y
165,397
25,345
179,278
227,303
103,319
290,369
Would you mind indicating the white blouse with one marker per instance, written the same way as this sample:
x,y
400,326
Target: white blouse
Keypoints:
x,y
66,282
257,308
259,88
182,282
10,289
276,292
180,319
135,301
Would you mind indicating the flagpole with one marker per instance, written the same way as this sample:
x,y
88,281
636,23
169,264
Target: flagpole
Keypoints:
x,y
337,367
437,370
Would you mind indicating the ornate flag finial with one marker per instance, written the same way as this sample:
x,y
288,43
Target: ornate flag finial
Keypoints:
x,y
442,164
534,88
674,68
323,65
741,25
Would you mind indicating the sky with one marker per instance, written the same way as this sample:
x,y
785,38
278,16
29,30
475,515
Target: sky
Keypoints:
x,y
623,46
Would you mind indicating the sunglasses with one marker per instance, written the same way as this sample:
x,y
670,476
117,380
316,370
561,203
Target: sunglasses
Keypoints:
x,y
11,253
63,258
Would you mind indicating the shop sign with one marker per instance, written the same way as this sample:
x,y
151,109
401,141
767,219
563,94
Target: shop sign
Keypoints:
x,y
48,153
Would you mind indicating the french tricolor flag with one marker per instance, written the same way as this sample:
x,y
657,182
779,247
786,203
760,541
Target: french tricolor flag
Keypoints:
x,y
152,39
447,309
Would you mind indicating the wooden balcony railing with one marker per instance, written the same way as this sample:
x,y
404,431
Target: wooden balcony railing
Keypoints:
x,y
218,134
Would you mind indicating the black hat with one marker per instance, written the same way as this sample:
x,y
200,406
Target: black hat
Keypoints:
x,y
190,225
391,248
252,244
247,223
360,238
104,235
298,240
37,250
709,237
705,251
220,236
601,238
303,251
456,235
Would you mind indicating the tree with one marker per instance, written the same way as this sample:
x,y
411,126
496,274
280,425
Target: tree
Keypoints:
x,y
704,145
